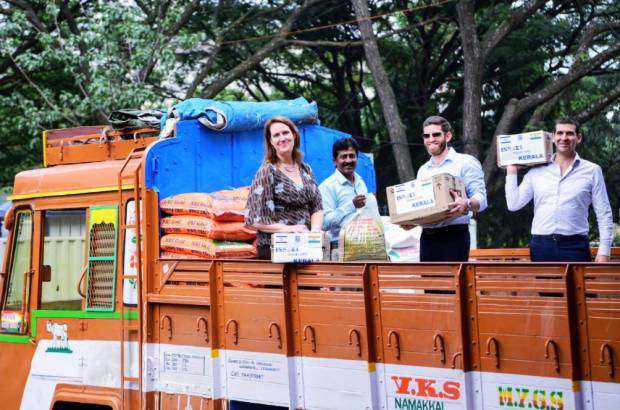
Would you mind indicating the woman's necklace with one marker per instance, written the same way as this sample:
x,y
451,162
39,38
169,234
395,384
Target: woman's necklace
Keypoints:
x,y
289,169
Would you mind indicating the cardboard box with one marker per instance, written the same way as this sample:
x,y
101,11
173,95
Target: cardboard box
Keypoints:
x,y
423,201
530,148
299,247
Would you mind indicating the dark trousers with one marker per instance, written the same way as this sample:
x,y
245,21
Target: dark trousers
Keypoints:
x,y
263,252
560,248
446,244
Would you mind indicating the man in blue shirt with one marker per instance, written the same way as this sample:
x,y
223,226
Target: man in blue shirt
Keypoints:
x,y
563,191
449,241
344,191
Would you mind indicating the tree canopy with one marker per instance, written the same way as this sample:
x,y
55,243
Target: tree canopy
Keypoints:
x,y
490,67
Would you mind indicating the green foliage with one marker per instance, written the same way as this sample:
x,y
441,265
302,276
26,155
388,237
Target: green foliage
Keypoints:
x,y
73,62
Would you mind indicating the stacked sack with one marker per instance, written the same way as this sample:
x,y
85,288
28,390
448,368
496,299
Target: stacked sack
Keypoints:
x,y
207,226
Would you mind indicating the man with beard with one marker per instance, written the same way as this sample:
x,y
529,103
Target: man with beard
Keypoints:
x,y
449,241
344,191
563,191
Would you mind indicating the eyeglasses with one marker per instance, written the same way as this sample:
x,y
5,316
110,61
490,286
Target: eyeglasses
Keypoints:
x,y
434,135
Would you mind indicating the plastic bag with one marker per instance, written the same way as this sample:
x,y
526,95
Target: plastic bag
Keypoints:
x,y
363,237
401,245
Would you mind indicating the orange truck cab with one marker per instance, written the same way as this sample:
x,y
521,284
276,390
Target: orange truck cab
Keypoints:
x,y
93,317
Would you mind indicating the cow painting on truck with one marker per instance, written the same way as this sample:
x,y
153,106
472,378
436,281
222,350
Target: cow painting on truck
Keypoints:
x,y
93,316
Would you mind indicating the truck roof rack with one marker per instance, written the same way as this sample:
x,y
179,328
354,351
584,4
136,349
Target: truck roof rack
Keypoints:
x,y
93,144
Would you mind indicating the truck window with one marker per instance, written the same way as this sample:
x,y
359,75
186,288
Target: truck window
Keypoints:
x,y
15,300
101,274
64,252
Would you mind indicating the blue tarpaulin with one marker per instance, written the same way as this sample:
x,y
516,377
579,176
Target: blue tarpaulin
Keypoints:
x,y
234,116
202,160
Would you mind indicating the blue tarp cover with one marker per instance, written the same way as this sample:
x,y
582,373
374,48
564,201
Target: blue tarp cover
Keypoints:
x,y
232,116
202,160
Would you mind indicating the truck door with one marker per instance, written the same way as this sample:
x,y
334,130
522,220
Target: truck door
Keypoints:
x,y
58,322
14,317
15,283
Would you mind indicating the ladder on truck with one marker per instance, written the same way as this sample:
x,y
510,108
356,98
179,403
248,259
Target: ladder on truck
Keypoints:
x,y
130,325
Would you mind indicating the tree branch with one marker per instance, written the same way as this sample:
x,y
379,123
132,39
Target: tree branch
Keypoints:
x,y
219,39
150,16
599,105
187,14
276,42
593,31
493,37
84,68
577,71
31,15
47,101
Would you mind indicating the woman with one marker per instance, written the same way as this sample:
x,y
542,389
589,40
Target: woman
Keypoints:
x,y
284,196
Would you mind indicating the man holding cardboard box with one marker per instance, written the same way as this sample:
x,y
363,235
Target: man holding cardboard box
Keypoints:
x,y
563,191
449,240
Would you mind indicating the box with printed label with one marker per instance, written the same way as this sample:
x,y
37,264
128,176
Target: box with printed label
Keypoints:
x,y
299,247
530,148
425,200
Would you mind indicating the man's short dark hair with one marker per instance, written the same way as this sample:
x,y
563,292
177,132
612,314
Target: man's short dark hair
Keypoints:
x,y
437,120
344,144
568,120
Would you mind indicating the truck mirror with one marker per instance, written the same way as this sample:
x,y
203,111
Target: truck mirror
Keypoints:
x,y
46,273
8,219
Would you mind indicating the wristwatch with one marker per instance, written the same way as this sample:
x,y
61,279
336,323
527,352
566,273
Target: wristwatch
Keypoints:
x,y
468,205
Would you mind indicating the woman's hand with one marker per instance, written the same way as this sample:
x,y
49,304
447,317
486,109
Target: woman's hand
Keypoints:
x,y
296,228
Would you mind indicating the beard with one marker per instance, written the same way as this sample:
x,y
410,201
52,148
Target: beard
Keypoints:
x,y
439,150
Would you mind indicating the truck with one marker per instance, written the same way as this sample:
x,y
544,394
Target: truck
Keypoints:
x,y
94,317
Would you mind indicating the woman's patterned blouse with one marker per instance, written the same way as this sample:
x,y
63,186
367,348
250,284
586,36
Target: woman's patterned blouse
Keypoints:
x,y
275,198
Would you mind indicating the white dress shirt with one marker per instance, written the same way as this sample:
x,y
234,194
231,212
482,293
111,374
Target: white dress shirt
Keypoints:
x,y
470,170
338,193
561,203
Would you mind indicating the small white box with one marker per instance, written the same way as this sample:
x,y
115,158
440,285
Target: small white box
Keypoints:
x,y
529,148
299,247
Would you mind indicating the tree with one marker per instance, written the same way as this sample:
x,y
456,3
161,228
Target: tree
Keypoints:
x,y
475,54
395,126
502,67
